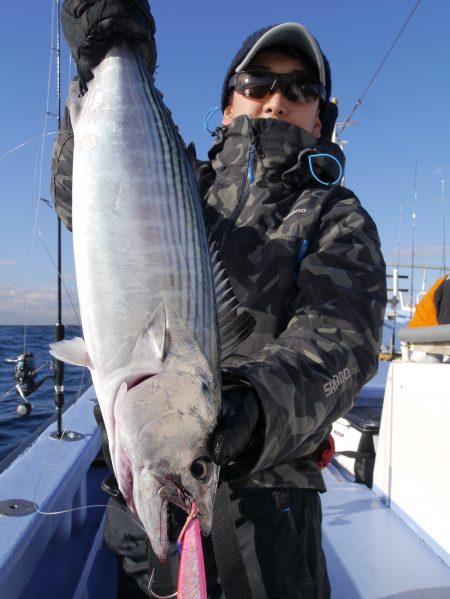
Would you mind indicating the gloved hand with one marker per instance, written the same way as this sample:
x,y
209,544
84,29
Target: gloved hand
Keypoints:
x,y
328,115
238,438
92,26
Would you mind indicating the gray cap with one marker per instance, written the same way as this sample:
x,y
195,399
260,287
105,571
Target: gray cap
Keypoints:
x,y
284,34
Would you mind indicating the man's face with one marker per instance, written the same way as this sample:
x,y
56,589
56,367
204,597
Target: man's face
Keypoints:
x,y
275,105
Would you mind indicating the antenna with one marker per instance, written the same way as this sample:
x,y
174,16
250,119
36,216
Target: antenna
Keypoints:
x,y
413,237
395,290
443,224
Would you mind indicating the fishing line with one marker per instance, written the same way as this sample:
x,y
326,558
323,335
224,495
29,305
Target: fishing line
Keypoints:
x,y
25,143
46,465
38,169
66,289
380,66
6,393
80,508
38,160
88,507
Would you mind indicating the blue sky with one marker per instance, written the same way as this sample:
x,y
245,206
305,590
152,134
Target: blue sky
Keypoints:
x,y
403,124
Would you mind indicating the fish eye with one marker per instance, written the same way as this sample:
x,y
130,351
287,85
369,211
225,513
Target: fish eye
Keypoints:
x,y
201,468
205,387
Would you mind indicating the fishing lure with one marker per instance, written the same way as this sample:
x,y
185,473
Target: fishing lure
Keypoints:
x,y
191,575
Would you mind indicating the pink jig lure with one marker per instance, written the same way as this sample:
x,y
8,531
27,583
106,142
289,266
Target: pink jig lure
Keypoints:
x,y
191,577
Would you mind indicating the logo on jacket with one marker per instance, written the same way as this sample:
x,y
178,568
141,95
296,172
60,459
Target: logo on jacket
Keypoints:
x,y
337,380
294,212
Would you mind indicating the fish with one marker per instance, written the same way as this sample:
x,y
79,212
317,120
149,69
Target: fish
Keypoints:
x,y
156,307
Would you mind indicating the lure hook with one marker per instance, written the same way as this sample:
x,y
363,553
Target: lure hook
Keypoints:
x,y
191,516
152,592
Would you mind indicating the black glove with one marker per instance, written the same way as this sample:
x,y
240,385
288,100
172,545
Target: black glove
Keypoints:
x,y
238,438
328,116
109,484
91,27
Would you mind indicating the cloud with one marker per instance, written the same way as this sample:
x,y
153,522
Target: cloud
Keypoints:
x,y
34,305
6,261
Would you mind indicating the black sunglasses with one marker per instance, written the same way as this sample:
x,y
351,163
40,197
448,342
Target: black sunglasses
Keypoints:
x,y
296,87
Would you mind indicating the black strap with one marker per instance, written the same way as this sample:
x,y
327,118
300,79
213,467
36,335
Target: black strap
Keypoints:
x,y
356,454
230,565
162,576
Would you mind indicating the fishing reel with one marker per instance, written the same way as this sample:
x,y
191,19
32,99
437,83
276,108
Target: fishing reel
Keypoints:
x,y
26,383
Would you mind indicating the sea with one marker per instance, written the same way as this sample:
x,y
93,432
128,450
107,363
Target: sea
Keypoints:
x,y
15,340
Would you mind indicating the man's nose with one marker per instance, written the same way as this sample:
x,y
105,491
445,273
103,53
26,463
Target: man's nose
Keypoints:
x,y
275,103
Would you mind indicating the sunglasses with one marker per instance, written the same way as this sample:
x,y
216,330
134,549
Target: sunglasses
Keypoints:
x,y
296,87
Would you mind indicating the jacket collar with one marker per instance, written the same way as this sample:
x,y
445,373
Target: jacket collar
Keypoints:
x,y
280,153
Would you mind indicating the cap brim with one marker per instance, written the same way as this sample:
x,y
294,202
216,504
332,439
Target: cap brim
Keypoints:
x,y
288,34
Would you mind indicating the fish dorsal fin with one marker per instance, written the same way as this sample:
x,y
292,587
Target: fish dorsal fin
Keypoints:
x,y
156,334
71,351
234,327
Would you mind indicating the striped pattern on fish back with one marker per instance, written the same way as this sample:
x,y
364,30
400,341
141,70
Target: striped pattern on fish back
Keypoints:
x,y
185,213
155,237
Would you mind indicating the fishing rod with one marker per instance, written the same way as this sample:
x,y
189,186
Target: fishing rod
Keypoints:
x,y
59,327
25,372
380,66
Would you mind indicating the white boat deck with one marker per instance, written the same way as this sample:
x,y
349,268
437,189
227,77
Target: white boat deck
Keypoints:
x,y
371,552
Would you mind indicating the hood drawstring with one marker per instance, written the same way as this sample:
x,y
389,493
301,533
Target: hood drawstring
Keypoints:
x,y
206,120
312,168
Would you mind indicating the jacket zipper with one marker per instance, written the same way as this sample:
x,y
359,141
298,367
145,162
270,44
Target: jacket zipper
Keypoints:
x,y
242,199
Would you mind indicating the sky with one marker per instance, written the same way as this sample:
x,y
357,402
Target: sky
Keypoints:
x,y
397,149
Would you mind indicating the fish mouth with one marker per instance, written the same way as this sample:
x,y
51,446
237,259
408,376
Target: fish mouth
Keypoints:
x,y
153,512
172,491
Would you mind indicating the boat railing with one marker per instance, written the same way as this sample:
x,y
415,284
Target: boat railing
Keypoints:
x,y
44,494
412,448
402,284
431,341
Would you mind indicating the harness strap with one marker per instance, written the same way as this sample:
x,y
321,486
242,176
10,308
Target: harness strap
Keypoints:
x,y
230,565
356,454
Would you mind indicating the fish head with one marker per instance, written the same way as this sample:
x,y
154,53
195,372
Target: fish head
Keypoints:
x,y
162,431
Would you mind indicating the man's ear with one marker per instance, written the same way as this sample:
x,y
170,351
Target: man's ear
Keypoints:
x,y
317,128
228,114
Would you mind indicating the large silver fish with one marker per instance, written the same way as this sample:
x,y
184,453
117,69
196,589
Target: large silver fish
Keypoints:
x,y
146,294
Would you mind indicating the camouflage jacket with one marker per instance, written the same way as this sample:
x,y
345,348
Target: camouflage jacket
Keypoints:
x,y
304,259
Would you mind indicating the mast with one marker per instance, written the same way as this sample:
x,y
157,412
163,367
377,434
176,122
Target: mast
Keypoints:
x,y
413,237
59,327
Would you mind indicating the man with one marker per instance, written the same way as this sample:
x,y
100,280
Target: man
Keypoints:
x,y
434,307
303,257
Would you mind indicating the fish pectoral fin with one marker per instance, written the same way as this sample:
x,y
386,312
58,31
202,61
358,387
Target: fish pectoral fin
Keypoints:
x,y
156,335
71,351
